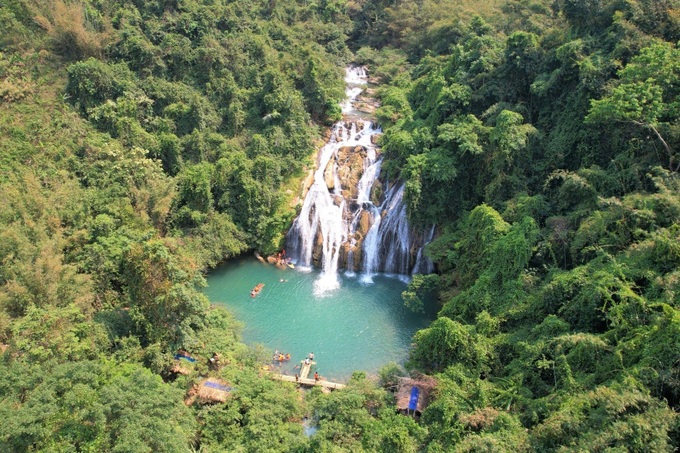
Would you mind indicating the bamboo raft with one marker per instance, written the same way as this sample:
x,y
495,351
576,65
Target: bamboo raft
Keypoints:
x,y
257,289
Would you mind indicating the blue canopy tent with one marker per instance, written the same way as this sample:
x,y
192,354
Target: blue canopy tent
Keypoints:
x,y
413,400
412,395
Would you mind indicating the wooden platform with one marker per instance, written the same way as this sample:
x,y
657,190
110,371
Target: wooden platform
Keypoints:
x,y
308,382
305,368
305,380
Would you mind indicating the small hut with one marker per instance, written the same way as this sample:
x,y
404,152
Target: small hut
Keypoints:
x,y
413,395
183,363
178,368
209,391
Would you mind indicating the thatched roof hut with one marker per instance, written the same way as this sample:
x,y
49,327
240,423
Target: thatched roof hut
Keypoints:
x,y
213,390
177,368
183,363
405,391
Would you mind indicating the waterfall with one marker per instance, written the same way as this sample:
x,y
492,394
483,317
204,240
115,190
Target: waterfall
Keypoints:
x,y
424,265
394,233
340,225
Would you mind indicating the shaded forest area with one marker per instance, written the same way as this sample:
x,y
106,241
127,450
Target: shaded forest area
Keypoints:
x,y
144,142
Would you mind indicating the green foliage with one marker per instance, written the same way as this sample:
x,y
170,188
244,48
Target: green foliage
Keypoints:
x,y
165,303
482,228
93,406
389,375
359,419
531,134
557,116
462,417
93,82
60,334
261,415
419,288
607,417
646,96
176,84
448,342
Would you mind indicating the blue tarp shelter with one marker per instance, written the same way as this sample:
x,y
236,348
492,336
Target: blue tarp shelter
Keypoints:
x,y
413,400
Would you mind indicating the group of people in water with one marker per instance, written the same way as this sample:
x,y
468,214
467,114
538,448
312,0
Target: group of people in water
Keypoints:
x,y
281,258
280,356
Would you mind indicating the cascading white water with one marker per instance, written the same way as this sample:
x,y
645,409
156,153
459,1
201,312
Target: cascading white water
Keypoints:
x,y
394,233
424,265
334,219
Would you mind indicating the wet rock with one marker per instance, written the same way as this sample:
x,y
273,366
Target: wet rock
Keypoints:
x,y
350,168
377,193
357,257
328,174
365,222
317,251
307,183
359,125
345,251
366,104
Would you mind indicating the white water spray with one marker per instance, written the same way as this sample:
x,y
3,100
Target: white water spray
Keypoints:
x,y
332,223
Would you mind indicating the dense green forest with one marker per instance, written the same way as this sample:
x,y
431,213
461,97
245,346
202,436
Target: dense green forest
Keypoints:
x,y
144,142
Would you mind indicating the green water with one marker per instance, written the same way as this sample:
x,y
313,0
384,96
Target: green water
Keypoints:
x,y
356,326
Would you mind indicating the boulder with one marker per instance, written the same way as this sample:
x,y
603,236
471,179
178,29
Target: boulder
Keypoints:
x,y
317,251
366,104
307,183
365,222
357,256
350,168
377,192
329,175
345,249
337,200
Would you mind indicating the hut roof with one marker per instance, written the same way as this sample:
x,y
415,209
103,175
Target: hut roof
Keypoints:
x,y
178,368
425,385
213,390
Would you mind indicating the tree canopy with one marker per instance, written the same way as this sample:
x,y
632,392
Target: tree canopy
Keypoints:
x,y
142,143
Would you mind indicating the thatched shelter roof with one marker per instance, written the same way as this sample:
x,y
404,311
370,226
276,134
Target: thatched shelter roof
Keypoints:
x,y
425,385
213,390
183,363
179,369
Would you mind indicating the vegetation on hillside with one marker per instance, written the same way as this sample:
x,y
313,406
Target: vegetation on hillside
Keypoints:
x,y
544,143
144,142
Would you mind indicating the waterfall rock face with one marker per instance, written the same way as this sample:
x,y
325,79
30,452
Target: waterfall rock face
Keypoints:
x,y
350,161
349,218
